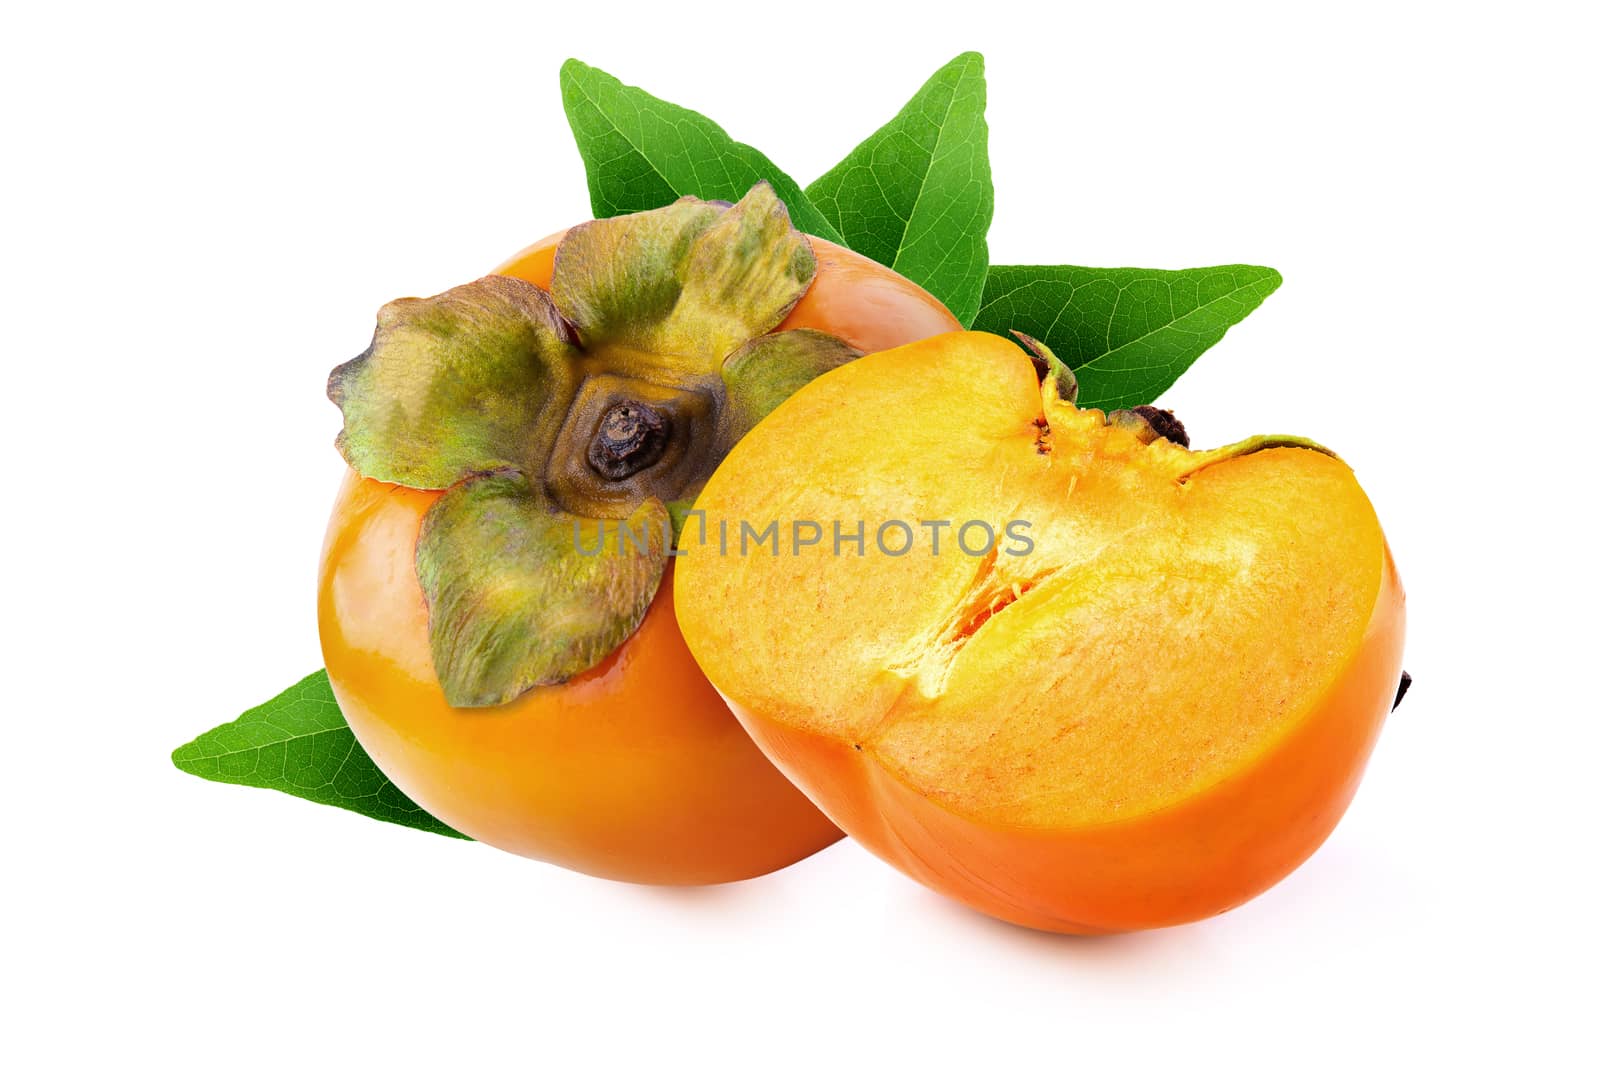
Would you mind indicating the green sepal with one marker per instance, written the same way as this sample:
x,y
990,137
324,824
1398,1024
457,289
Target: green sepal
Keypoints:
x,y
470,380
1051,370
1199,461
680,511
768,370
520,594
1183,463
616,279
686,283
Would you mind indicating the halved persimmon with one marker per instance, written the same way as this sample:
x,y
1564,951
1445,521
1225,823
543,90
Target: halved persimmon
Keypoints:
x,y
526,692
1048,662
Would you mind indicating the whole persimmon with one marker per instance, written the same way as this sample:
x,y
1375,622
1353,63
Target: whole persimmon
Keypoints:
x,y
1048,661
495,596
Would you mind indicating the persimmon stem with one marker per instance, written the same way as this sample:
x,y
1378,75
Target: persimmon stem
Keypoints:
x,y
631,436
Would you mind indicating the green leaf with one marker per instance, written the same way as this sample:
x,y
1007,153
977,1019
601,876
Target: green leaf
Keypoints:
x,y
299,743
916,196
1127,333
643,153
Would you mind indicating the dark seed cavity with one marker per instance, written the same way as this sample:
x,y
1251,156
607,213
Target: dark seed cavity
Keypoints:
x,y
631,436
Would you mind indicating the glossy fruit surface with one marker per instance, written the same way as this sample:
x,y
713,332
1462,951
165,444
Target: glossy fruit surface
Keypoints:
x,y
1149,713
632,770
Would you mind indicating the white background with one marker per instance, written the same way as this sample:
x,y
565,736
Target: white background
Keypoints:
x,y
203,206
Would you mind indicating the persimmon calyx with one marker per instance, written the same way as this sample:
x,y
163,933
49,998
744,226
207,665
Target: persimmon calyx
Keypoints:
x,y
1145,435
597,408
1049,367
1199,461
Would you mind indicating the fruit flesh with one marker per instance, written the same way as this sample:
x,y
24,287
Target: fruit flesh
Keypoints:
x,y
634,770
1112,731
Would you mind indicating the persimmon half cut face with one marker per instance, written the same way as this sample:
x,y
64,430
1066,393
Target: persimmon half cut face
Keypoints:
x,y
1139,690
495,587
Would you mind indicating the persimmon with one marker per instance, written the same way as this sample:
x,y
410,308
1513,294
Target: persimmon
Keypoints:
x,y
510,672
1135,685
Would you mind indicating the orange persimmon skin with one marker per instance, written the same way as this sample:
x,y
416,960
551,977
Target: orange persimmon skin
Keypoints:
x,y
635,770
1265,822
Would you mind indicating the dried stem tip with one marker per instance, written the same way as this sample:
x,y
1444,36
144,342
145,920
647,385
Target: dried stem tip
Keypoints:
x,y
630,437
